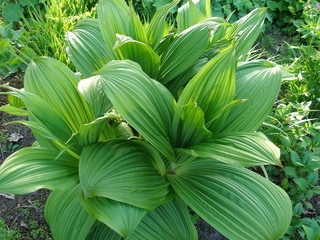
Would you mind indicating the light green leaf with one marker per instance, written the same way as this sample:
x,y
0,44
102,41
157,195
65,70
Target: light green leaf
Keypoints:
x,y
246,30
184,51
90,133
138,52
240,204
189,15
100,231
168,221
259,82
116,17
14,110
157,27
122,171
57,85
213,88
30,169
120,217
86,47
188,126
142,102
66,216
92,90
240,149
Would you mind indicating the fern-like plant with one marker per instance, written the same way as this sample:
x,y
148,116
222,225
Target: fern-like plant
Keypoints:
x,y
164,120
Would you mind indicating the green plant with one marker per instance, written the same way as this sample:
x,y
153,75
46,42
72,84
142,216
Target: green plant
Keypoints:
x,y
125,155
5,234
299,140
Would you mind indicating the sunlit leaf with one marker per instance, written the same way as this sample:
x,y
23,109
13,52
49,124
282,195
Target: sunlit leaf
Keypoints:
x,y
237,202
30,169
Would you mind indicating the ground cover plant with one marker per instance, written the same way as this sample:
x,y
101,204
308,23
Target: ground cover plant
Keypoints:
x,y
146,149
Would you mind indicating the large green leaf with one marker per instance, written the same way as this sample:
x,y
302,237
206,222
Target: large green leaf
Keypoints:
x,y
237,202
100,231
259,82
116,17
30,169
168,221
246,31
40,111
188,126
123,171
57,85
138,52
66,216
156,28
213,88
120,217
189,15
187,47
142,102
240,149
86,47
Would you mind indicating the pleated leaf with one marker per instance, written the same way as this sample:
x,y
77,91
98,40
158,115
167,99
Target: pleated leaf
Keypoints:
x,y
187,47
100,231
120,217
168,221
189,15
116,17
86,47
258,82
138,52
142,102
30,169
92,90
156,28
188,126
66,216
213,88
122,171
246,31
239,149
57,85
14,110
91,132
237,202
40,111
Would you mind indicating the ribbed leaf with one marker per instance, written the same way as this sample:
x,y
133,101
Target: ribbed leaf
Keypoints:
x,y
122,171
246,150
246,31
91,132
189,126
100,231
237,202
40,111
141,102
185,50
189,15
92,90
213,88
259,82
14,110
169,221
116,17
30,169
138,52
86,47
157,26
120,217
66,216
57,85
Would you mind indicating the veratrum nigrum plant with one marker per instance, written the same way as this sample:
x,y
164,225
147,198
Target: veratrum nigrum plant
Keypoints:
x,y
163,120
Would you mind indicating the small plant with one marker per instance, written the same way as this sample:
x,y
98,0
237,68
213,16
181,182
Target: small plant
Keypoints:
x,y
164,119
298,138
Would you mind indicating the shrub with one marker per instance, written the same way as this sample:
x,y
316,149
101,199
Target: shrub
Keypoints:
x,y
164,120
